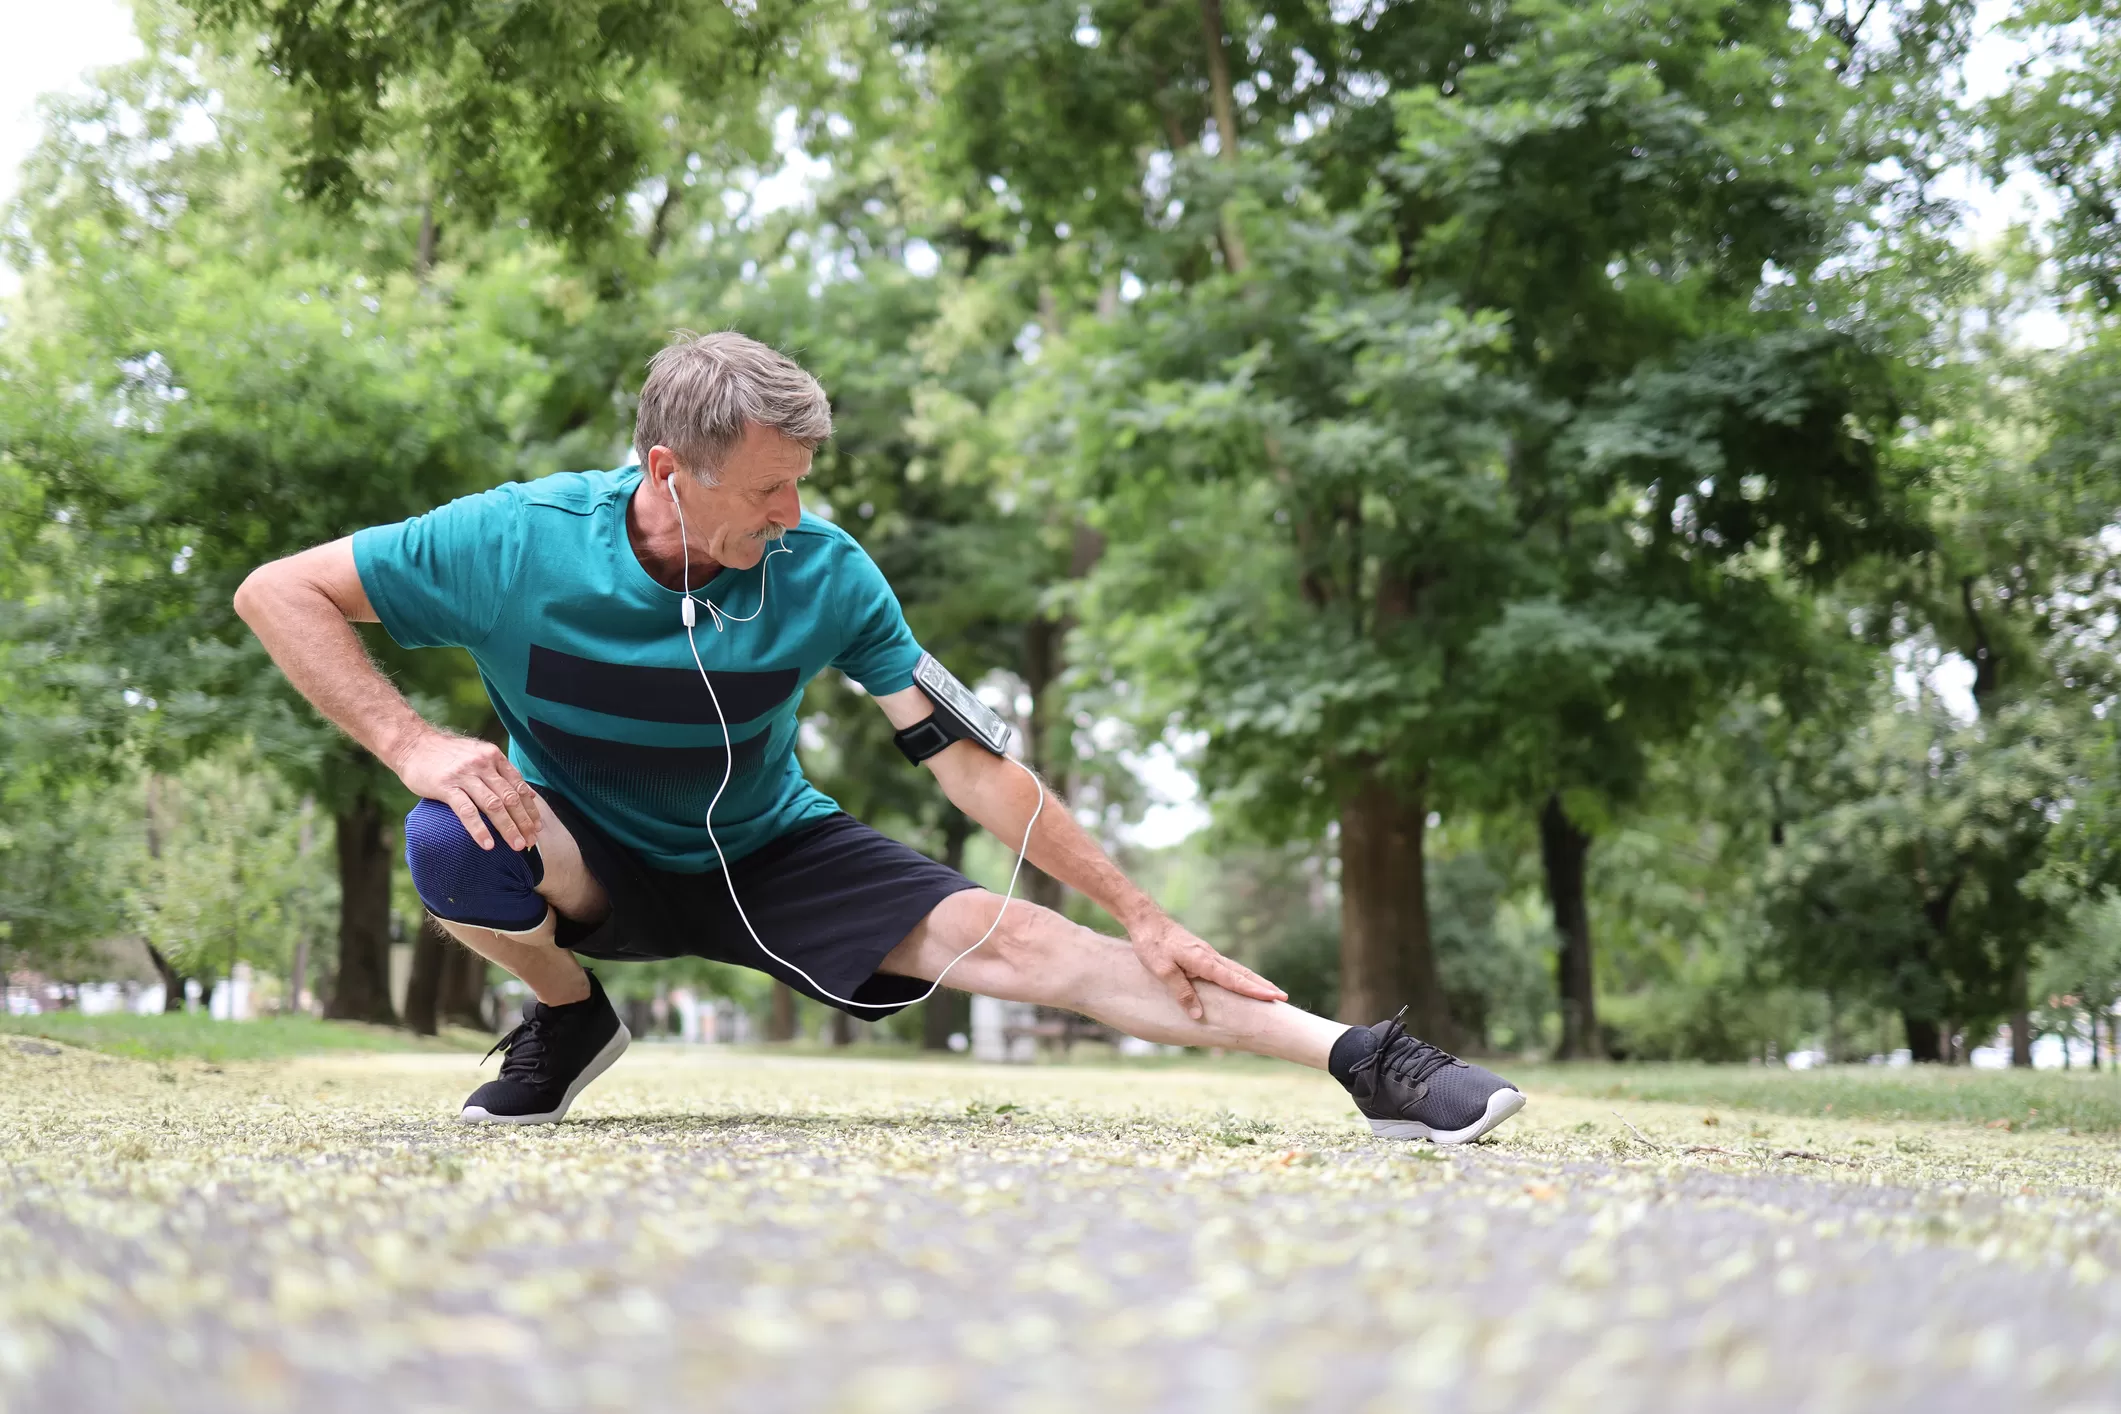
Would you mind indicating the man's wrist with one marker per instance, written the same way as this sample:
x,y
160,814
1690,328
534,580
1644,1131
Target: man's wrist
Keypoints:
x,y
397,749
1137,914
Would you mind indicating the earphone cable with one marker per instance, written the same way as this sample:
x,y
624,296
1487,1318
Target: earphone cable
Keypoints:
x,y
728,770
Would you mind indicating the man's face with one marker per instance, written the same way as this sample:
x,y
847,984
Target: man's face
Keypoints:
x,y
755,501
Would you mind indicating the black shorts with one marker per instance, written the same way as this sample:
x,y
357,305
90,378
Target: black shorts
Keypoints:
x,y
834,898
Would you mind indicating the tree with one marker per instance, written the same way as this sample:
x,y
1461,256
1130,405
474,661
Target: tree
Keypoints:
x,y
225,882
230,380
2020,579
1923,882
2083,972
1526,474
1700,447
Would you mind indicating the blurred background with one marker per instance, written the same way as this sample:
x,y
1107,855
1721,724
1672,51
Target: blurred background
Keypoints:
x,y
1598,522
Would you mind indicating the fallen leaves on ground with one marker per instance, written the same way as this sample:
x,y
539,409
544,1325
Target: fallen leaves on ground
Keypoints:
x,y
726,1231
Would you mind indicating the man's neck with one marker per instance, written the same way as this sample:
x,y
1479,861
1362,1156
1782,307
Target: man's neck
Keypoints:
x,y
652,529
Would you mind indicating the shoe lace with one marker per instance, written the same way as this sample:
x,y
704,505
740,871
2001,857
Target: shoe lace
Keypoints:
x,y
525,1050
1409,1057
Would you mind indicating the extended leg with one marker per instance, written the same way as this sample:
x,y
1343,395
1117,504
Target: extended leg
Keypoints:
x,y
1405,1087
1038,956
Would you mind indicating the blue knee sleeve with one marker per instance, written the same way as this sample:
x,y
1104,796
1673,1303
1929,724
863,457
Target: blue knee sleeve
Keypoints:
x,y
461,883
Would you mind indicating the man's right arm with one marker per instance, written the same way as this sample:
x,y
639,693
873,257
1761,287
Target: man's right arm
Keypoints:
x,y
303,609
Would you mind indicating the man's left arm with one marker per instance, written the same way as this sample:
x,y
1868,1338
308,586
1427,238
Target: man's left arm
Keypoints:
x,y
1001,798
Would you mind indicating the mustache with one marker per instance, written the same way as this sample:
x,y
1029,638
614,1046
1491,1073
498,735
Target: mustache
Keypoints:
x,y
771,535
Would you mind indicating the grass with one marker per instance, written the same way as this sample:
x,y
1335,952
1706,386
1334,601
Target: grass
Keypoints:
x,y
2075,1101
181,1035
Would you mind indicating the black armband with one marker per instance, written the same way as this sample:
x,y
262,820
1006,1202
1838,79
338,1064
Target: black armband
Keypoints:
x,y
959,716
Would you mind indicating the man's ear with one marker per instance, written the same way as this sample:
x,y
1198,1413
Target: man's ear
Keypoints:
x,y
661,464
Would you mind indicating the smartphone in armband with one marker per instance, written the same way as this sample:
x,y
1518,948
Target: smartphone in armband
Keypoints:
x,y
959,716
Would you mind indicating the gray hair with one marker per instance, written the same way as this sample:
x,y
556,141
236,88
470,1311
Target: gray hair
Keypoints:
x,y
703,388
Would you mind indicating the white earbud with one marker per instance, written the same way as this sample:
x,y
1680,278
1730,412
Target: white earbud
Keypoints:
x,y
686,613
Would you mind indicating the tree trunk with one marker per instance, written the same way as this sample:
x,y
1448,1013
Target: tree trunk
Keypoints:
x,y
1386,961
659,228
431,948
1925,1038
842,1029
1987,667
1222,99
1046,738
780,1017
298,972
946,1013
423,255
1565,850
462,1001
172,982
362,991
2022,1021
1042,665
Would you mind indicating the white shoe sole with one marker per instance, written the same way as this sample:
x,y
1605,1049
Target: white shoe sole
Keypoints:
x,y
601,1062
1501,1105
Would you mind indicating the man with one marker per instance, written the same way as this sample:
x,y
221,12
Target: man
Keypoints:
x,y
646,643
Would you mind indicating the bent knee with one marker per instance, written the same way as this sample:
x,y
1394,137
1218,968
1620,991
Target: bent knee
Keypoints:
x,y
461,883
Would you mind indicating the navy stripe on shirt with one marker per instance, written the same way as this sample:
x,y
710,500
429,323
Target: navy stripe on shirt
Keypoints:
x,y
675,782
655,694
631,757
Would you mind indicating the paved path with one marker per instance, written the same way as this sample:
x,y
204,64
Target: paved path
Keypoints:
x,y
719,1232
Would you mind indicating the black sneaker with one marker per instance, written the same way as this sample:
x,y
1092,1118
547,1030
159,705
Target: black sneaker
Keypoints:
x,y
1409,1089
553,1054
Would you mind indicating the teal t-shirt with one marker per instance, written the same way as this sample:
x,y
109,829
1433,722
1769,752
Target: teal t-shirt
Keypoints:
x,y
584,655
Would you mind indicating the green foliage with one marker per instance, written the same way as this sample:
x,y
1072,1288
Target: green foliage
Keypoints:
x,y
2049,121
1536,472
550,109
1515,403
1920,884
1714,1009
1494,949
2082,969
61,889
230,382
224,866
216,864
